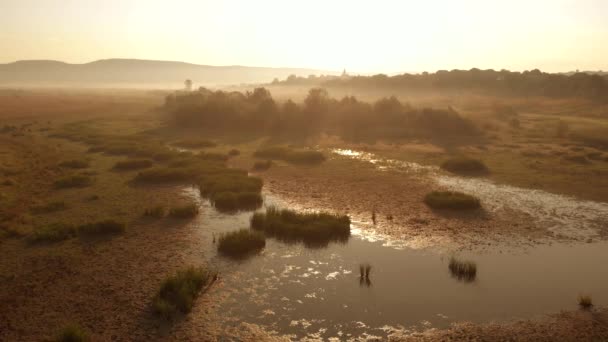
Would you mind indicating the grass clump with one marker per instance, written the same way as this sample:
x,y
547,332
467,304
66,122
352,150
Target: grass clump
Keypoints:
x,y
310,228
241,242
451,200
463,270
72,333
165,175
194,143
52,233
585,302
178,292
73,181
106,227
184,211
75,164
262,165
234,201
213,156
155,212
234,152
49,207
133,164
290,155
465,166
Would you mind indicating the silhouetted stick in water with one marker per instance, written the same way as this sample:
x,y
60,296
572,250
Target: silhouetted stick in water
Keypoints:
x,y
374,216
364,272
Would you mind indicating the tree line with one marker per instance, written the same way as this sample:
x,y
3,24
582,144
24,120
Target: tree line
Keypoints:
x,y
349,118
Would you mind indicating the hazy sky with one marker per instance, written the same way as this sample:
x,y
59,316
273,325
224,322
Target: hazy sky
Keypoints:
x,y
361,36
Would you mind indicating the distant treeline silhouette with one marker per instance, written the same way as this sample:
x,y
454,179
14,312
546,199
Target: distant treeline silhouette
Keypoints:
x,y
349,118
504,82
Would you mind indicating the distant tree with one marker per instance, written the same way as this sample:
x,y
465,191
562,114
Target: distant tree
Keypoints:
x,y
188,85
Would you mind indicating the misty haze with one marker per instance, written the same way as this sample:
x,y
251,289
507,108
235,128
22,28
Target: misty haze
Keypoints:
x,y
303,171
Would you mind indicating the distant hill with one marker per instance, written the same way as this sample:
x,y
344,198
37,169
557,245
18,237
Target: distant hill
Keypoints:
x,y
137,73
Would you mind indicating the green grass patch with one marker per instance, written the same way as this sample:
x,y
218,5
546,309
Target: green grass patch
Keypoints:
x,y
155,212
241,243
262,165
451,200
465,166
234,201
585,302
75,164
106,227
462,270
52,233
49,207
310,228
133,164
290,155
73,181
178,292
184,211
72,333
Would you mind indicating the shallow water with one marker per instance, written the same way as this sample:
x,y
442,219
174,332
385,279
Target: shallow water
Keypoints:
x,y
563,215
318,293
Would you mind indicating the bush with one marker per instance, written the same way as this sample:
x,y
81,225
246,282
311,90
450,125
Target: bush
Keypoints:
x,y
106,227
155,212
451,200
74,181
463,165
178,292
75,164
49,207
72,333
133,164
52,233
463,270
289,155
262,165
585,302
194,143
241,243
185,211
311,228
234,201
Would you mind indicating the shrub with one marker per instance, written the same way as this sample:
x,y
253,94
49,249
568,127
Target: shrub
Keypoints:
x,y
165,175
311,228
49,207
464,165
194,143
133,164
185,211
75,164
72,333
52,233
106,227
451,200
234,152
262,165
234,201
74,181
241,242
463,270
585,302
155,212
289,155
178,292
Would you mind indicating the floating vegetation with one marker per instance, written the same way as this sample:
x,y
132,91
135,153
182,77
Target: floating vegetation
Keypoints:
x,y
178,292
241,243
314,229
465,166
451,200
585,302
463,270
133,164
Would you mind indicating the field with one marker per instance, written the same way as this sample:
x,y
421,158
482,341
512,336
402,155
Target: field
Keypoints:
x,y
103,201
